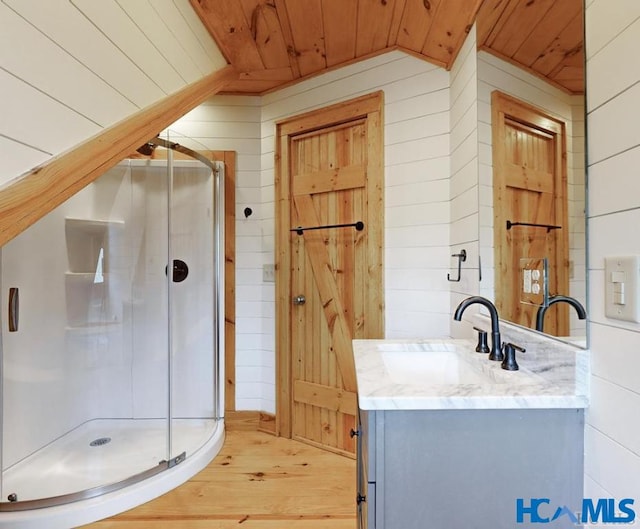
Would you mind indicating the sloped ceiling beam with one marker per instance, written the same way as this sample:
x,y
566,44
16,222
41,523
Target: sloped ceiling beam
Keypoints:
x,y
33,195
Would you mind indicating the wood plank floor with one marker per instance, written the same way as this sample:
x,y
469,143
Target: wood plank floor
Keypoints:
x,y
257,481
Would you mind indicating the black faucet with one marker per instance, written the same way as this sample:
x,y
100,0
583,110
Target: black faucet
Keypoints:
x,y
542,310
496,345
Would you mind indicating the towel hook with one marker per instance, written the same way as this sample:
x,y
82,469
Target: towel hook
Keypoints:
x,y
462,257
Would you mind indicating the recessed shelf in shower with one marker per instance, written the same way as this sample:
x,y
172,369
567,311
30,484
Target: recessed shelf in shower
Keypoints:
x,y
91,245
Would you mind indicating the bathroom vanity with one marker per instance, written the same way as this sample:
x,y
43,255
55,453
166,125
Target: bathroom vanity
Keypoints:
x,y
446,438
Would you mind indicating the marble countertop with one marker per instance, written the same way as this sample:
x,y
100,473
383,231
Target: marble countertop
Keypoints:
x,y
454,376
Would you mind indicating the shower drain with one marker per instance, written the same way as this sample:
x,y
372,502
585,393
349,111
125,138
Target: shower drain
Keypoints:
x,y
100,441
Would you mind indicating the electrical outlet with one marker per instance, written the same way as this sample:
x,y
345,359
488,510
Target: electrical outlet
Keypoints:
x,y
269,273
534,285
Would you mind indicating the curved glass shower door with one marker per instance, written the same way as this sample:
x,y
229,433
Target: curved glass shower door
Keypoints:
x,y
84,350
193,246
196,251
109,352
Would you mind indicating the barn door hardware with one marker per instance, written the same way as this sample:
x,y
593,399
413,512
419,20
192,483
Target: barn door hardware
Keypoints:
x,y
359,226
462,257
549,227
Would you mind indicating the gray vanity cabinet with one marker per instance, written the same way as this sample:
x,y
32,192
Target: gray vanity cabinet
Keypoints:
x,y
465,468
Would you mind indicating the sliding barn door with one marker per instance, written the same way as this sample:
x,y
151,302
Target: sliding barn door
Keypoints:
x,y
334,273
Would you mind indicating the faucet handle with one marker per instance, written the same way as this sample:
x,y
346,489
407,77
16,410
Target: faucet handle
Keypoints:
x,y
482,346
509,363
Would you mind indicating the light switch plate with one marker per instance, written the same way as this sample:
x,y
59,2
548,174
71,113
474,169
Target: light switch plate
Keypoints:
x,y
621,288
268,273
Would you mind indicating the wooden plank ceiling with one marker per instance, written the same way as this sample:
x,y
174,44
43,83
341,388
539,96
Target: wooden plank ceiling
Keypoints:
x,y
543,36
278,42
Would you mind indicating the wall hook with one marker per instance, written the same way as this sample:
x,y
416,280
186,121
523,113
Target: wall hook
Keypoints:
x,y
462,257
247,212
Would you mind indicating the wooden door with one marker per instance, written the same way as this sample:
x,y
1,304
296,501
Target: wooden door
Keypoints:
x,y
331,175
530,187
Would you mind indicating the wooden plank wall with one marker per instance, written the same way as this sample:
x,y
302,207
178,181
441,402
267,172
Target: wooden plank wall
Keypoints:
x,y
416,194
464,233
416,187
69,70
417,200
612,441
233,123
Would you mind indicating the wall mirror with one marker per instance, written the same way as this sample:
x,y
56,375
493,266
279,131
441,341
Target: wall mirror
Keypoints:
x,y
531,158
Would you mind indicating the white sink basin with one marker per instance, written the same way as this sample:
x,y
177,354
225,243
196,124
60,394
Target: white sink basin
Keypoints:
x,y
431,368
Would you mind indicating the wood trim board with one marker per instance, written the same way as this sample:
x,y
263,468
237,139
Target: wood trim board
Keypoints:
x,y
34,194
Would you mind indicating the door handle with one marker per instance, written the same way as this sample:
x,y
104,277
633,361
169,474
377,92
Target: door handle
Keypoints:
x,y
14,309
180,271
299,300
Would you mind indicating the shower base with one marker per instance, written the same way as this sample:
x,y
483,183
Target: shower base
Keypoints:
x,y
71,464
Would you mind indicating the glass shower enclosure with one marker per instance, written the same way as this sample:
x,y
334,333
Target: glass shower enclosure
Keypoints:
x,y
111,318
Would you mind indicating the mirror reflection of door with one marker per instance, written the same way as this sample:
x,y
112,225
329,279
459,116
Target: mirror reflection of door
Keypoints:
x,y
530,186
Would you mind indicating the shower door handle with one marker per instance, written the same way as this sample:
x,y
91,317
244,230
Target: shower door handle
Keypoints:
x,y
180,271
14,309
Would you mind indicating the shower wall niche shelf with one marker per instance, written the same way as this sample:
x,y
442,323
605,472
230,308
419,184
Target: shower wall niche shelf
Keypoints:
x,y
93,298
87,239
